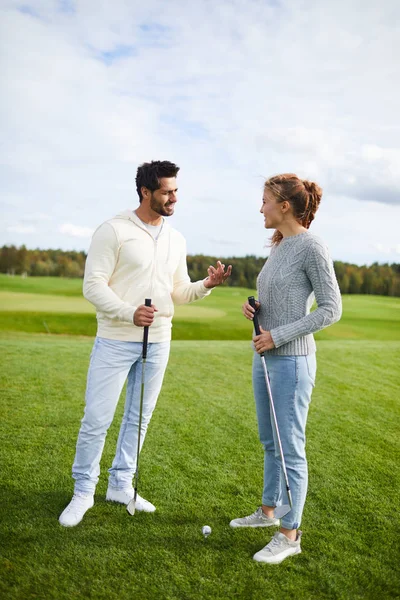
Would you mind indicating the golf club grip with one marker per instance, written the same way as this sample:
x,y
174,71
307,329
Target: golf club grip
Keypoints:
x,y
147,302
252,302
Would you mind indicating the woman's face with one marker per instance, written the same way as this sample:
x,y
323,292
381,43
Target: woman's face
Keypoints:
x,y
271,209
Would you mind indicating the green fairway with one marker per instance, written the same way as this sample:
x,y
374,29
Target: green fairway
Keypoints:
x,y
56,305
201,462
41,285
30,302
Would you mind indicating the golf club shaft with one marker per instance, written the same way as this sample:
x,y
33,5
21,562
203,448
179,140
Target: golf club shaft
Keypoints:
x,y
147,302
271,400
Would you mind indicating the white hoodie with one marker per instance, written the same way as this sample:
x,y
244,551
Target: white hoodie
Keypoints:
x,y
125,265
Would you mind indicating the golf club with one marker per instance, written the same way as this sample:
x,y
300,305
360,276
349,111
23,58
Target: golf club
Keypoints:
x,y
132,503
280,511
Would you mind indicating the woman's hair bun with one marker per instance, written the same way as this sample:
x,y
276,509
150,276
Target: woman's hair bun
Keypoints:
x,y
313,189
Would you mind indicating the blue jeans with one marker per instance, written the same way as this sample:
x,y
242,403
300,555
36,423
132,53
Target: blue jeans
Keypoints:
x,y
111,362
292,380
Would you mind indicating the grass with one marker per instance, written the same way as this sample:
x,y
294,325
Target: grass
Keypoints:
x,y
56,305
201,464
41,285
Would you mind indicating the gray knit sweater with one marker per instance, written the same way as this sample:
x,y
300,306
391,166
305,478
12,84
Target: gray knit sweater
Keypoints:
x,y
298,270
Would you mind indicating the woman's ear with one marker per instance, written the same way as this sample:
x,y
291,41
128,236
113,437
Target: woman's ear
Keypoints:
x,y
285,206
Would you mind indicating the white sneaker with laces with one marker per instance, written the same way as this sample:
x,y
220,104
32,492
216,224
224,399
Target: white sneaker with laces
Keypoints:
x,y
257,519
73,514
279,548
125,496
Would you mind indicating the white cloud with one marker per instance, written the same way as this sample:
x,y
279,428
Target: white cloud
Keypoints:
x,y
21,229
76,231
233,91
385,249
36,218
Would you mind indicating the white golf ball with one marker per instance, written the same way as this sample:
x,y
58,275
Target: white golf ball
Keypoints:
x,y
206,530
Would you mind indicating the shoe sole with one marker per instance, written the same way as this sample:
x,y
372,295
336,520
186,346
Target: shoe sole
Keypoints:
x,y
117,501
77,523
74,525
237,525
276,562
126,504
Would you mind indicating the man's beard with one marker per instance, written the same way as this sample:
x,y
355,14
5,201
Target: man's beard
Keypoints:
x,y
159,208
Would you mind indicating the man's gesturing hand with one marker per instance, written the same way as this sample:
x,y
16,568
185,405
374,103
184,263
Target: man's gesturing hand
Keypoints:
x,y
144,315
217,275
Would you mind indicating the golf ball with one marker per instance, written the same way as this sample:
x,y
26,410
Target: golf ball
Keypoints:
x,y
206,530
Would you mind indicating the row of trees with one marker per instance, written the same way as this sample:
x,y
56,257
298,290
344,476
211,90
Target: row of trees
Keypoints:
x,y
376,279
56,263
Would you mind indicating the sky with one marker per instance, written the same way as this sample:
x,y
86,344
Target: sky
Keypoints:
x,y
233,91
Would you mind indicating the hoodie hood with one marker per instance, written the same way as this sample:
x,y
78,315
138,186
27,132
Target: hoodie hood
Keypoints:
x,y
130,215
127,214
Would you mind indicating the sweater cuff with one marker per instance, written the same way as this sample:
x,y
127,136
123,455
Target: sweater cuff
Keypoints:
x,y
203,290
276,338
127,313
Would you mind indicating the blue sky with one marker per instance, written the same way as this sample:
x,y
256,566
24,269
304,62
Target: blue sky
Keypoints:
x,y
233,91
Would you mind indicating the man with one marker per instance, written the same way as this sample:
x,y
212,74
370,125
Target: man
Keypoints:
x,y
135,255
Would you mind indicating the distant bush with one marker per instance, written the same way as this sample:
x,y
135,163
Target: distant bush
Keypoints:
x,y
56,263
377,279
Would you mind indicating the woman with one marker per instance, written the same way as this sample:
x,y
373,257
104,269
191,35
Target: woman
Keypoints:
x,y
298,270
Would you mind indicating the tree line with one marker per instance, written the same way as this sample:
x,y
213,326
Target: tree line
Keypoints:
x,y
382,279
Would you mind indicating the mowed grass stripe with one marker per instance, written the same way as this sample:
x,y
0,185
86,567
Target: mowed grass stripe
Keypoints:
x,y
217,317
201,464
28,303
41,285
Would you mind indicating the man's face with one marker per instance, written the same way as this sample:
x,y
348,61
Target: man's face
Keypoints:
x,y
162,201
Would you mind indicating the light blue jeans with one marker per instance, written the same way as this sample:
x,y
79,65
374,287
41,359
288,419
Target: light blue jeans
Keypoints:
x,y
111,363
292,380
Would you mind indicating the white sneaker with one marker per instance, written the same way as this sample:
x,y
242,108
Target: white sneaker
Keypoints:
x,y
279,548
73,514
257,519
125,496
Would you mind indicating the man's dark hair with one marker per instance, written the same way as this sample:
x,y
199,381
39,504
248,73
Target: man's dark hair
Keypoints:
x,y
149,174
